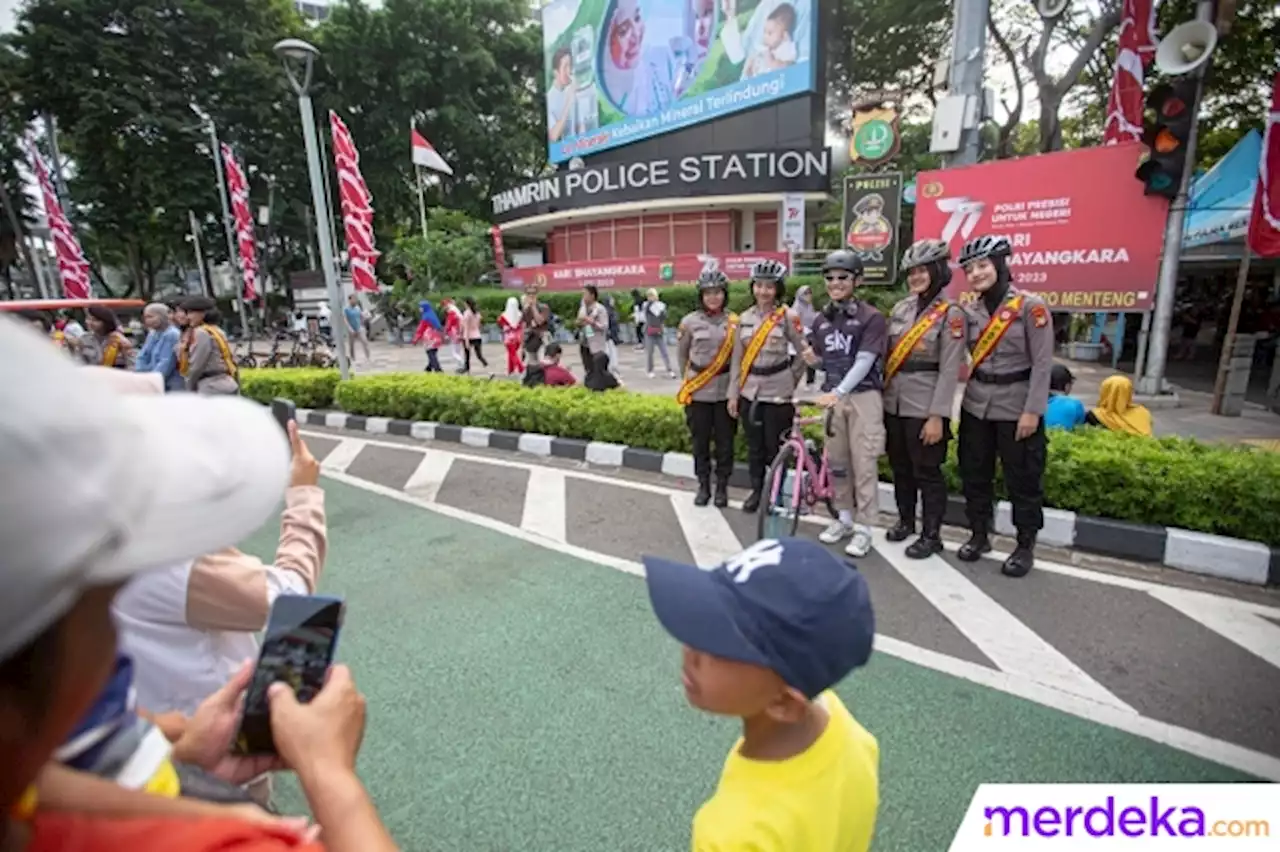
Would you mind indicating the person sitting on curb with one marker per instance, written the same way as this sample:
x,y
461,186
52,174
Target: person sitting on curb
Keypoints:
x,y
1116,409
548,371
1064,411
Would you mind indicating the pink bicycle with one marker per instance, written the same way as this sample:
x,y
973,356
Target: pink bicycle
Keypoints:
x,y
797,481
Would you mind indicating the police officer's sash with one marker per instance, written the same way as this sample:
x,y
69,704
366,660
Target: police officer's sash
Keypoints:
x,y
219,340
115,342
995,330
914,335
757,342
715,368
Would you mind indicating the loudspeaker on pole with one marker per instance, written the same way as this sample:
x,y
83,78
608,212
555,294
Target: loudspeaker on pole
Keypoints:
x,y
1187,47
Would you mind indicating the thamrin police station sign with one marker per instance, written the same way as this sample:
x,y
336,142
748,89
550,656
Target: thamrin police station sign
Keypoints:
x,y
785,170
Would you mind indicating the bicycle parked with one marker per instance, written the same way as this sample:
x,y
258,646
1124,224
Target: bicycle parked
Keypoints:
x,y
798,479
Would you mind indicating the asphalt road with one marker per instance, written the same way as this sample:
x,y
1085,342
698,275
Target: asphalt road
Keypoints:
x,y
523,697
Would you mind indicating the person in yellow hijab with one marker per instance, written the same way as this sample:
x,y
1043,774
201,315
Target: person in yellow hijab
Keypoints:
x,y
1116,410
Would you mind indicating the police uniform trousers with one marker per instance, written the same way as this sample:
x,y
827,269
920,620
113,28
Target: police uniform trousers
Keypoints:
x,y
981,443
710,423
917,469
765,424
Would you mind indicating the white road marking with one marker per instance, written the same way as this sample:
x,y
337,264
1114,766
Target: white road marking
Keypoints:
x,y
993,630
1074,571
544,505
710,538
341,457
1219,751
1251,632
430,475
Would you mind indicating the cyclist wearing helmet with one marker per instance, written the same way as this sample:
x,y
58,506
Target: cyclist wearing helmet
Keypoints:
x,y
1010,336
850,336
764,375
926,349
704,351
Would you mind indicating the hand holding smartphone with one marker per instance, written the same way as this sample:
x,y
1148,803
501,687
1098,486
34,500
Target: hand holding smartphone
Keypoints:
x,y
297,650
285,411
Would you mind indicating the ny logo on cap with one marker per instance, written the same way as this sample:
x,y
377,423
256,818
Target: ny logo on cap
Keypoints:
x,y
762,554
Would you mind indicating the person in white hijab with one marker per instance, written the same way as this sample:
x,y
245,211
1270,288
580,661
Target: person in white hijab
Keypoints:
x,y
511,322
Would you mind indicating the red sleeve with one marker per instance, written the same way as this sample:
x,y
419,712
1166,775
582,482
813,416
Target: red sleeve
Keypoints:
x,y
57,832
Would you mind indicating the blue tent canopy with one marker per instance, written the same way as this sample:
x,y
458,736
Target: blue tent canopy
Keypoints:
x,y
1221,198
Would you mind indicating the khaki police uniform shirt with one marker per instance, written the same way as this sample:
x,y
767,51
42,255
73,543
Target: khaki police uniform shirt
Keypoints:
x,y
780,386
700,338
1027,344
926,394
596,334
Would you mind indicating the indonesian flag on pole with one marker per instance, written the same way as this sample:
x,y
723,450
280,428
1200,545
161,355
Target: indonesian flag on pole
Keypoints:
x,y
1264,224
357,207
247,247
425,155
1136,49
72,267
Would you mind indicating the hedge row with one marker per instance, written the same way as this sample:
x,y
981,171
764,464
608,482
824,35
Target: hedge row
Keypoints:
x,y
1228,490
679,300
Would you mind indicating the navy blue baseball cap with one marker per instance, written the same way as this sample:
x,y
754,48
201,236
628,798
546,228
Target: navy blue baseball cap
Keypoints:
x,y
785,604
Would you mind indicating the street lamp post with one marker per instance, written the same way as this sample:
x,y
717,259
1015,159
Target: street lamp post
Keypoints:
x,y
215,150
298,51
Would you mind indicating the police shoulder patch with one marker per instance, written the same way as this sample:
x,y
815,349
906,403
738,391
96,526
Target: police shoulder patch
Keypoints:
x,y
1039,316
957,327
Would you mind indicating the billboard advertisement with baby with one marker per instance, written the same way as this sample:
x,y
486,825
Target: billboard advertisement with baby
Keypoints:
x,y
618,71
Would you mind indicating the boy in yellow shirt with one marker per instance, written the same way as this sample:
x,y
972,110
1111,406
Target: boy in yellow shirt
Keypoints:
x,y
766,635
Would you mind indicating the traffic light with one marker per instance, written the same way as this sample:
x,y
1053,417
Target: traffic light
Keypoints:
x,y
1167,138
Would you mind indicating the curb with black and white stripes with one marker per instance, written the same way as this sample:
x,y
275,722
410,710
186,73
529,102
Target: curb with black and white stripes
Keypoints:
x,y
1199,553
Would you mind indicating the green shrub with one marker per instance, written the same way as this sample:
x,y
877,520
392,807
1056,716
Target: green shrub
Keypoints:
x,y
307,387
1227,490
680,300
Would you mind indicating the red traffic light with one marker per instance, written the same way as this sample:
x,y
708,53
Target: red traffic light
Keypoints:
x,y
1172,107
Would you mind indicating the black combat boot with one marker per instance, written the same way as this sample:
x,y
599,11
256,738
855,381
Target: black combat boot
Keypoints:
x,y
703,496
722,493
929,542
978,544
752,503
1023,557
904,528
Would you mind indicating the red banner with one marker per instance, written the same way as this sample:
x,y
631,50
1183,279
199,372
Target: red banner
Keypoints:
x,y
246,245
634,272
1264,224
499,255
1084,236
357,207
72,267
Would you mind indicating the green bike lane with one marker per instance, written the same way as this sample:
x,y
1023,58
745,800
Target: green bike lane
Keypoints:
x,y
521,699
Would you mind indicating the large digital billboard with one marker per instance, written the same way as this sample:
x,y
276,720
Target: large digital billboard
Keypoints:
x,y
618,71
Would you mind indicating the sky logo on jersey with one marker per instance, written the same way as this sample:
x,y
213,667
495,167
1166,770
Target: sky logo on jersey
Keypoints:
x,y
1031,817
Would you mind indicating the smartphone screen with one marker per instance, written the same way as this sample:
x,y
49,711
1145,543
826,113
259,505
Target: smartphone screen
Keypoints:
x,y
297,649
285,411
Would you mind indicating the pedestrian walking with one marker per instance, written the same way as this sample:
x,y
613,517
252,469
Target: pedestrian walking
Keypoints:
x,y
431,334
1010,338
354,317
926,350
704,351
637,317
512,326
763,376
453,333
850,337
614,335
655,331
471,330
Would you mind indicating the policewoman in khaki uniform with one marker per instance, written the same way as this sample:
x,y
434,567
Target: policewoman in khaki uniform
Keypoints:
x,y
704,350
763,377
1010,336
926,348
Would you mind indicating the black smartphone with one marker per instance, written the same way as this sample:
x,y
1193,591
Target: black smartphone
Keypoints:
x,y
285,410
297,649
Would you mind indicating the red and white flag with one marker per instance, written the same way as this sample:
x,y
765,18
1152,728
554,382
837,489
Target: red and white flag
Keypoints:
x,y
1264,224
72,267
1136,49
357,207
425,155
238,189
